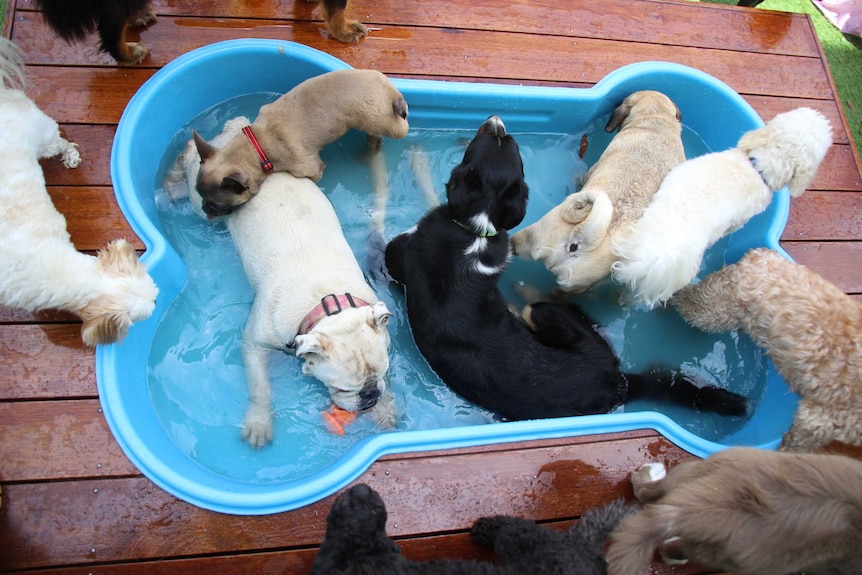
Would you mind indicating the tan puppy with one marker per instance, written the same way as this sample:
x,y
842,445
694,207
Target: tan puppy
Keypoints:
x,y
573,240
809,327
746,511
290,132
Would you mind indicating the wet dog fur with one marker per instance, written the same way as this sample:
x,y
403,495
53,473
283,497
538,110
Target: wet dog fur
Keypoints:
x,y
552,362
810,329
292,131
747,511
356,543
573,240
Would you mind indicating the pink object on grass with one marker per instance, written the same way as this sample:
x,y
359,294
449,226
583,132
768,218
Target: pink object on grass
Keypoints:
x,y
846,15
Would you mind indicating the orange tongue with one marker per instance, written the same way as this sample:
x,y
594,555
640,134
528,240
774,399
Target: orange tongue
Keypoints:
x,y
336,419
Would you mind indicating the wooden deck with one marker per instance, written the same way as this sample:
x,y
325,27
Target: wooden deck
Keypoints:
x,y
72,502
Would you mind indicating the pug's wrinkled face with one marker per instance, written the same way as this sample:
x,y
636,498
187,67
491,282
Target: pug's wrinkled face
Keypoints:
x,y
223,185
349,353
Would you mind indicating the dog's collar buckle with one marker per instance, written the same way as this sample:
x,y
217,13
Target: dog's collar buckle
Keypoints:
x,y
330,304
265,163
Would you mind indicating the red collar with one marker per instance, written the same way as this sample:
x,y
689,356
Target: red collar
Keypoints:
x,y
264,161
329,305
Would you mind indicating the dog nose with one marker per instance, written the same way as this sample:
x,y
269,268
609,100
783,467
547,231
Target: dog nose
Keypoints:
x,y
494,126
369,394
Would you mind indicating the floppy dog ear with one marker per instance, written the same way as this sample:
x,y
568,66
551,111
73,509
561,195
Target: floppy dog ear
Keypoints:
x,y
236,183
379,316
461,190
312,343
593,210
618,116
103,324
205,149
514,205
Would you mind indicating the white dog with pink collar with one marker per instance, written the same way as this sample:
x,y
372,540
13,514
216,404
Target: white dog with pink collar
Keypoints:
x,y
311,296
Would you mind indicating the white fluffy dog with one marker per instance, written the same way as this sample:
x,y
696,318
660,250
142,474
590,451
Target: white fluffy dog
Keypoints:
x,y
811,330
573,240
710,196
39,266
310,296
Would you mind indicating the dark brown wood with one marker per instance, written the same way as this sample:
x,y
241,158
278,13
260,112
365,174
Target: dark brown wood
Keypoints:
x,y
73,503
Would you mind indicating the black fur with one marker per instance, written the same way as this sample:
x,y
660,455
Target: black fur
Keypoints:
x,y
465,330
356,543
72,20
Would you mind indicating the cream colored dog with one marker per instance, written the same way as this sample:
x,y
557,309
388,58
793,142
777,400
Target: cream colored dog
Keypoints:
x,y
746,511
311,297
573,240
288,134
39,266
713,195
810,328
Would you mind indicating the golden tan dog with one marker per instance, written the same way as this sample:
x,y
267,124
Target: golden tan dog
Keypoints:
x,y
288,134
746,511
811,329
573,240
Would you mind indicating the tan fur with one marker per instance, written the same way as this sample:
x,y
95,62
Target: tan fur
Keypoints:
x,y
809,327
746,511
616,191
293,129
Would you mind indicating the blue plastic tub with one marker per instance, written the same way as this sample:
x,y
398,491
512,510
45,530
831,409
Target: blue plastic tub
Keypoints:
x,y
166,437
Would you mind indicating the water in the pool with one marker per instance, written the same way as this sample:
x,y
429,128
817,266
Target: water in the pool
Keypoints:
x,y
195,371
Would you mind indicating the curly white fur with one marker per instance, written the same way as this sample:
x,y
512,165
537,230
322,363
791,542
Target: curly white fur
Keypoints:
x,y
710,196
39,266
809,327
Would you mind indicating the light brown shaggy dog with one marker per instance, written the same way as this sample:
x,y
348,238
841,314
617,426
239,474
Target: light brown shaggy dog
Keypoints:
x,y
573,240
746,511
810,328
292,130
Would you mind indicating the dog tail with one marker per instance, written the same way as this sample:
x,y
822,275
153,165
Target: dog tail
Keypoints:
x,y
653,271
666,385
12,74
635,540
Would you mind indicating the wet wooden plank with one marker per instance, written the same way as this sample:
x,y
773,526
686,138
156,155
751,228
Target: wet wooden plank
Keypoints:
x,y
429,52
132,519
93,216
838,262
44,361
59,440
653,22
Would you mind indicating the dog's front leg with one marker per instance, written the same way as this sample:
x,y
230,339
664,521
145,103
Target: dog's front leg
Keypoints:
x,y
257,426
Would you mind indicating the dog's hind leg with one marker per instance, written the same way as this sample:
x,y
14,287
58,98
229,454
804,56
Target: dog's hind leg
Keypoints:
x,y
705,305
559,325
376,259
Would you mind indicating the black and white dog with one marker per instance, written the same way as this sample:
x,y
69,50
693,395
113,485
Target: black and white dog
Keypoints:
x,y
551,363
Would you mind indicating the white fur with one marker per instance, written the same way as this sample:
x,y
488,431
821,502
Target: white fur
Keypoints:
x,y
294,253
708,197
39,266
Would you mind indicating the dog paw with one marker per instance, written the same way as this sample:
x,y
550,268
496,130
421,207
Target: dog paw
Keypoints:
x,y
257,427
142,19
135,52
651,472
350,33
71,157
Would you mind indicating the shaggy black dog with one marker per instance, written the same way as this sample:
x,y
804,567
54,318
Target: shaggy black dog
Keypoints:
x,y
356,543
74,19
551,365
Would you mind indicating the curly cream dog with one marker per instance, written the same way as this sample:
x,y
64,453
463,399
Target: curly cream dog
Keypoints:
x,y
288,134
746,511
573,240
39,266
810,328
713,195
311,297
